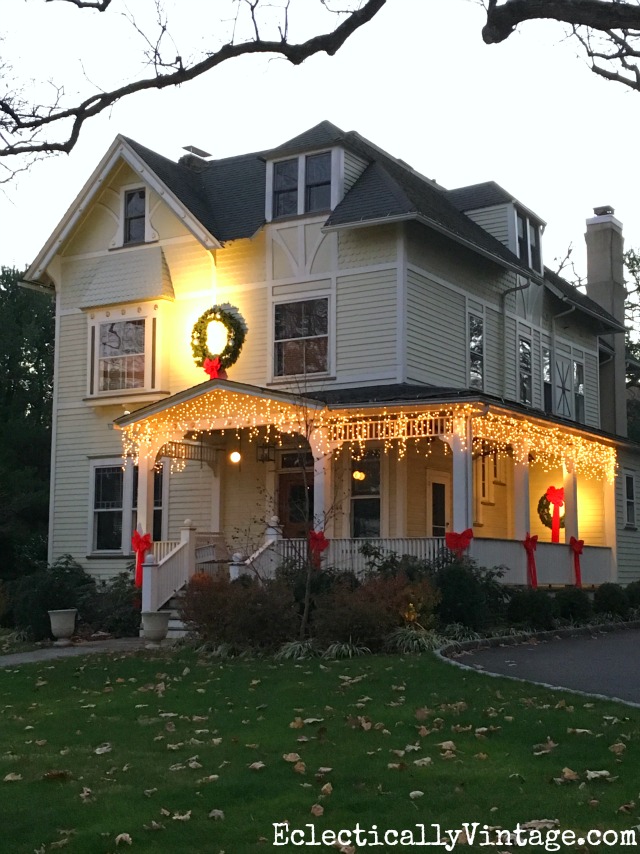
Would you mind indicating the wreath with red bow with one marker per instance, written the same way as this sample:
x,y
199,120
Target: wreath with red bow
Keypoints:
x,y
545,512
236,328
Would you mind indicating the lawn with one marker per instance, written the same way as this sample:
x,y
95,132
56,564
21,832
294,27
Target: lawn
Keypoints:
x,y
176,753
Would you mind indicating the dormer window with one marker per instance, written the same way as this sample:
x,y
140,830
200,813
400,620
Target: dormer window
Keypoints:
x,y
134,216
301,185
528,233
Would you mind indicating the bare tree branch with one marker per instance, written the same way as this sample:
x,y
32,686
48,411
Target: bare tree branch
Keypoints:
x,y
22,125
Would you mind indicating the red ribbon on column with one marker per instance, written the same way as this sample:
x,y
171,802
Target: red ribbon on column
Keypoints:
x,y
317,544
530,544
458,543
141,544
555,496
576,548
214,368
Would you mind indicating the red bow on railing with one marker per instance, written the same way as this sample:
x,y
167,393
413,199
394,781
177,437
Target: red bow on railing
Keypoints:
x,y
141,544
458,543
214,369
317,544
555,497
530,544
576,548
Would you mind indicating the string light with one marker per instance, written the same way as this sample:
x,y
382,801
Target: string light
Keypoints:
x,y
329,431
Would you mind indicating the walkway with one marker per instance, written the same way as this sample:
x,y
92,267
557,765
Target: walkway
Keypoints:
x,y
605,664
116,645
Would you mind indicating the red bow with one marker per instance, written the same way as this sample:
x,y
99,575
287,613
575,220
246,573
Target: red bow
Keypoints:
x,y
555,496
458,543
141,544
214,368
576,548
317,544
530,544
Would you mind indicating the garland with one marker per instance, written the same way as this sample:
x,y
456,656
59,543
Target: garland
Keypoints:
x,y
236,328
544,512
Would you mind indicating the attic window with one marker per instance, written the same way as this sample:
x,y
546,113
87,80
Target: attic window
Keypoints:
x,y
301,185
134,216
318,182
528,234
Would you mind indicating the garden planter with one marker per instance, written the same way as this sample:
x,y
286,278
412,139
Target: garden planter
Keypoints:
x,y
63,624
155,625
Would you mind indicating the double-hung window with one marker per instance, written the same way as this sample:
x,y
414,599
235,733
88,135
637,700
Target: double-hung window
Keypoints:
x,y
578,392
114,517
630,498
301,185
476,352
528,240
365,495
134,216
524,370
547,384
122,351
301,337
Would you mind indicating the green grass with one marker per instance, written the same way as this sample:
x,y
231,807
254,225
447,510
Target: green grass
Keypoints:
x,y
223,716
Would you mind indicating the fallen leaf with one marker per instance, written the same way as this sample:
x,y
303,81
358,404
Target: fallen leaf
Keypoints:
x,y
300,768
422,763
257,766
85,795
325,770
124,839
12,778
104,748
627,807
327,789
296,723
416,794
546,747
481,756
317,810
618,748
291,757
568,774
56,775
149,792
59,844
217,815
447,745
182,816
598,775
155,825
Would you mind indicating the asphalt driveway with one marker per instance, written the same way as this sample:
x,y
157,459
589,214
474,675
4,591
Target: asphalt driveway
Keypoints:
x,y
605,664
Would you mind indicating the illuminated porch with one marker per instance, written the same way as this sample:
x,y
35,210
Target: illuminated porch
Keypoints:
x,y
441,467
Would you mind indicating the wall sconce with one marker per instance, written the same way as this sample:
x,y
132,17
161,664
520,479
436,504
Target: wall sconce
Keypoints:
x,y
265,453
235,457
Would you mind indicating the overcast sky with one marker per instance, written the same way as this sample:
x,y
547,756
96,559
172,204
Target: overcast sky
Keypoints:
x,y
417,81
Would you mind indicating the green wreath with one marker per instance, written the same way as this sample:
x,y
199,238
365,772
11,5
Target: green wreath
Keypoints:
x,y
236,328
544,512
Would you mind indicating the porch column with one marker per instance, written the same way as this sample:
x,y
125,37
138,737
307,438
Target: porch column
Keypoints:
x,y
570,484
144,497
216,492
322,452
462,477
521,499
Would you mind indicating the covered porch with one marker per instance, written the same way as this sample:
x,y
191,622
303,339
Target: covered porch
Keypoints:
x,y
398,476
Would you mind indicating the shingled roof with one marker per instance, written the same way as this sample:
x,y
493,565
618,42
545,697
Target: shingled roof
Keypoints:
x,y
227,196
569,293
477,196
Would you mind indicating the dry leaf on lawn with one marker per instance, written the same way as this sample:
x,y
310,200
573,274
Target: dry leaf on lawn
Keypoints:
x,y
123,839
327,789
217,815
422,763
291,757
317,810
155,825
103,748
447,745
12,778
257,766
416,794
618,748
545,747
181,816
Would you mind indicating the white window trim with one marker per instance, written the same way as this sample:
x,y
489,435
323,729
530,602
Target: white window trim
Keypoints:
x,y
150,234
529,220
152,363
331,322
523,336
574,395
337,167
629,474
127,505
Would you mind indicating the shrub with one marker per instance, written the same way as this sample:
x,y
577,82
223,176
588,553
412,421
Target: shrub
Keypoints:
x,y
611,598
65,584
633,594
573,604
534,609
367,614
390,564
469,595
114,607
244,613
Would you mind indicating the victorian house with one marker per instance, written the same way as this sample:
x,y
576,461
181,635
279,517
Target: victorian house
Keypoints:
x,y
408,367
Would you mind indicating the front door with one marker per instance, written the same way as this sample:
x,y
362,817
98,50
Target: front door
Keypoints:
x,y
294,508
438,503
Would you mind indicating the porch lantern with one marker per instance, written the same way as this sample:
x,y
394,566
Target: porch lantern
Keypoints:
x,y
235,457
265,452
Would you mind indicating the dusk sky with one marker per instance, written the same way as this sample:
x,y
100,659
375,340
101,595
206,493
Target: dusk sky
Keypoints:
x,y
418,81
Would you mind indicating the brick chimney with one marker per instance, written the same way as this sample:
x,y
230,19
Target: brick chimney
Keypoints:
x,y
605,285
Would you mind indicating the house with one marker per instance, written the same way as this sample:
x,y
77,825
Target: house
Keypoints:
x,y
410,367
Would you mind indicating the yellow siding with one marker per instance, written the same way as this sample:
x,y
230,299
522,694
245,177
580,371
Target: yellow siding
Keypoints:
x,y
242,262
591,512
366,247
418,463
190,496
246,505
366,324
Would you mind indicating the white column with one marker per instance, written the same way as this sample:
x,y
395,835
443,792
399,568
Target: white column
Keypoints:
x,y
401,497
188,536
145,494
322,479
570,484
216,492
521,499
460,443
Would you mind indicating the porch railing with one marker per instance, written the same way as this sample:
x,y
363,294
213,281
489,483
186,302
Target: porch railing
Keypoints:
x,y
161,548
160,582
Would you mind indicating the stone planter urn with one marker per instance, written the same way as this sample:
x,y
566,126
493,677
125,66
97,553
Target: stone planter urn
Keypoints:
x,y
63,624
155,625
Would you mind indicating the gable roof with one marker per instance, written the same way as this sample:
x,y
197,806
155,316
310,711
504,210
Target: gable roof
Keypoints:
x,y
223,200
477,196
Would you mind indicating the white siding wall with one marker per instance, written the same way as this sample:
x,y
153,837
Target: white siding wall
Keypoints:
x,y
366,325
354,166
628,537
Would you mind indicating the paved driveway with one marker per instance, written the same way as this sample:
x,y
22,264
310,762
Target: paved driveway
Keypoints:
x,y
606,664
